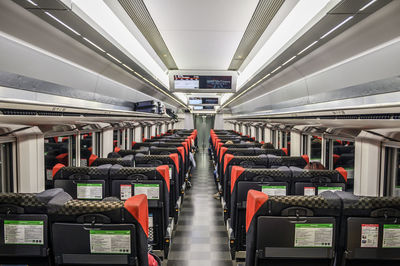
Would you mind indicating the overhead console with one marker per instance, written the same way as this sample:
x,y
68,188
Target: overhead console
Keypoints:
x,y
202,81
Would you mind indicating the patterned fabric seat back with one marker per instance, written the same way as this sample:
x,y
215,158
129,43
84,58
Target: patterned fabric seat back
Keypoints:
x,y
271,181
127,161
154,182
90,183
24,230
115,232
296,161
309,224
370,230
314,182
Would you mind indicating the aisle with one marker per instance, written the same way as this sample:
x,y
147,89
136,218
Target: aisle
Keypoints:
x,y
200,238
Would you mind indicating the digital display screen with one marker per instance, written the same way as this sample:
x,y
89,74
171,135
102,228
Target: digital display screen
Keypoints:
x,y
202,100
200,107
202,82
195,100
209,100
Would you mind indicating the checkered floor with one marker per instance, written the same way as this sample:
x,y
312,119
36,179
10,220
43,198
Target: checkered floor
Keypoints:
x,y
200,238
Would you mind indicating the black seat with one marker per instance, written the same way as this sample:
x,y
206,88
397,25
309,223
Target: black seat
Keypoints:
x,y
24,229
99,232
370,230
291,230
154,182
87,183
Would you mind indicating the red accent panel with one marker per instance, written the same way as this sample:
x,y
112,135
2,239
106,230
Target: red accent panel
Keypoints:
x,y
144,140
138,207
92,158
65,138
90,149
182,152
255,199
306,158
343,172
262,142
335,158
253,138
61,156
175,158
133,144
236,172
222,152
117,149
164,171
285,151
55,139
186,147
57,168
228,158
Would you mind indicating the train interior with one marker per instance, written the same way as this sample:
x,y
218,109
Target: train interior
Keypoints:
x,y
196,133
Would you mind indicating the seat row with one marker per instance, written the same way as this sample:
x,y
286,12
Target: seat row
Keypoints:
x,y
333,228
52,228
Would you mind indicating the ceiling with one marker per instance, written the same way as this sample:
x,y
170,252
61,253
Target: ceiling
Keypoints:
x,y
202,34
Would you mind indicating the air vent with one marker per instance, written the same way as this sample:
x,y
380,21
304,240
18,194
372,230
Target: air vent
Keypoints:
x,y
264,13
341,117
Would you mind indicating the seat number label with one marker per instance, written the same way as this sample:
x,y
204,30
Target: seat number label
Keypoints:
x,y
23,232
125,192
391,236
313,235
152,191
89,191
110,242
274,190
369,235
309,191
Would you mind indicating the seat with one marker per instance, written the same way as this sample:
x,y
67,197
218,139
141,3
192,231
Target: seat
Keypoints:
x,y
314,182
127,161
154,182
99,232
86,183
291,230
24,228
370,230
172,161
269,181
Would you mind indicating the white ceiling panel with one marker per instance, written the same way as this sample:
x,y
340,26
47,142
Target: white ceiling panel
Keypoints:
x,y
202,34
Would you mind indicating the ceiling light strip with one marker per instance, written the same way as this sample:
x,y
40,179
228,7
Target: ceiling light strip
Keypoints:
x,y
31,2
337,26
305,49
62,23
95,45
367,5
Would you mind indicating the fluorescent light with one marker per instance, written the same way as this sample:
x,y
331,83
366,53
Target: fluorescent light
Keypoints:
x,y
300,16
114,58
128,67
289,60
31,2
276,69
95,45
99,15
302,51
337,26
367,5
62,23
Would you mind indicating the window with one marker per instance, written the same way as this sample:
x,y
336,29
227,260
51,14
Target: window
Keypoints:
x,y
316,148
304,144
86,148
343,156
143,130
97,144
56,150
273,137
6,168
392,172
